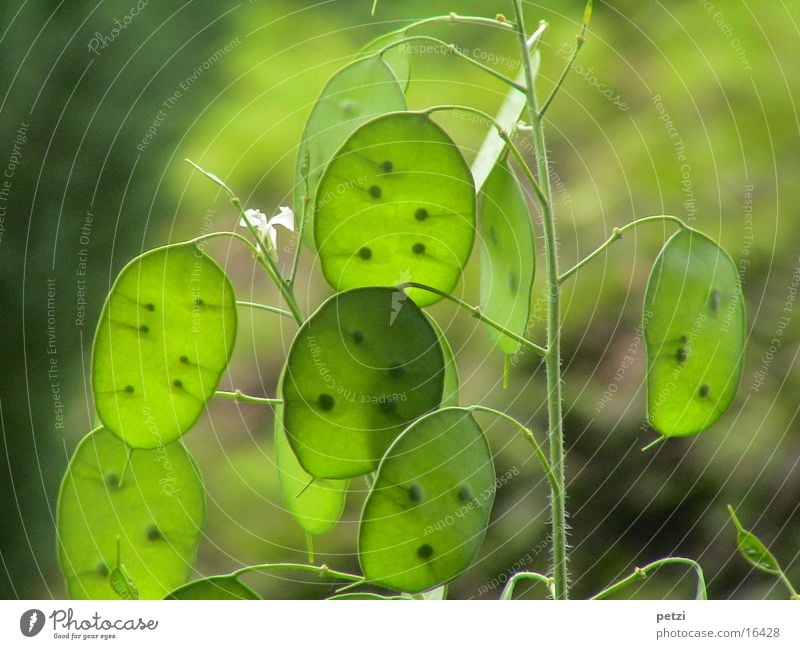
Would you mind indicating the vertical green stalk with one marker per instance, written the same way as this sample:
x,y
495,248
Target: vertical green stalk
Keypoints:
x,y
553,359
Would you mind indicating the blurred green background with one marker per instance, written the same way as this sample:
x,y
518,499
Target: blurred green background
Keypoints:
x,y
74,126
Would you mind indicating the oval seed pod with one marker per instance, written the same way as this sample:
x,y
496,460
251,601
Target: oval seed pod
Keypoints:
x,y
362,367
164,338
694,328
753,550
358,92
129,520
508,256
427,512
396,204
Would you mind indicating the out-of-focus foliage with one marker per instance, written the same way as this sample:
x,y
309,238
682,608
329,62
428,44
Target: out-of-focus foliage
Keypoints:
x,y
672,108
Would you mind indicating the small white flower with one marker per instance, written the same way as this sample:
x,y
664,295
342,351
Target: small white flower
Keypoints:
x,y
266,226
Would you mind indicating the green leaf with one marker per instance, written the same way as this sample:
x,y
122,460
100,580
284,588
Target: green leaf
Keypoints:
x,y
356,93
396,204
694,329
426,515
223,587
753,550
451,380
164,338
364,366
508,256
397,58
316,503
493,147
148,503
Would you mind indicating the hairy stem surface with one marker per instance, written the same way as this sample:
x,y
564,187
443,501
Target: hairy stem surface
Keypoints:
x,y
553,358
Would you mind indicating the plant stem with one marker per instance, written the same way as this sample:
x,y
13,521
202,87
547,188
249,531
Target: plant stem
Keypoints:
x,y
303,224
508,591
642,573
238,395
266,307
553,358
654,443
476,312
450,48
616,234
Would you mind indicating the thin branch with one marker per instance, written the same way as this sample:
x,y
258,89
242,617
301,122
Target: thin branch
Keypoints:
x,y
643,573
617,234
476,312
580,41
238,395
266,307
508,591
450,18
